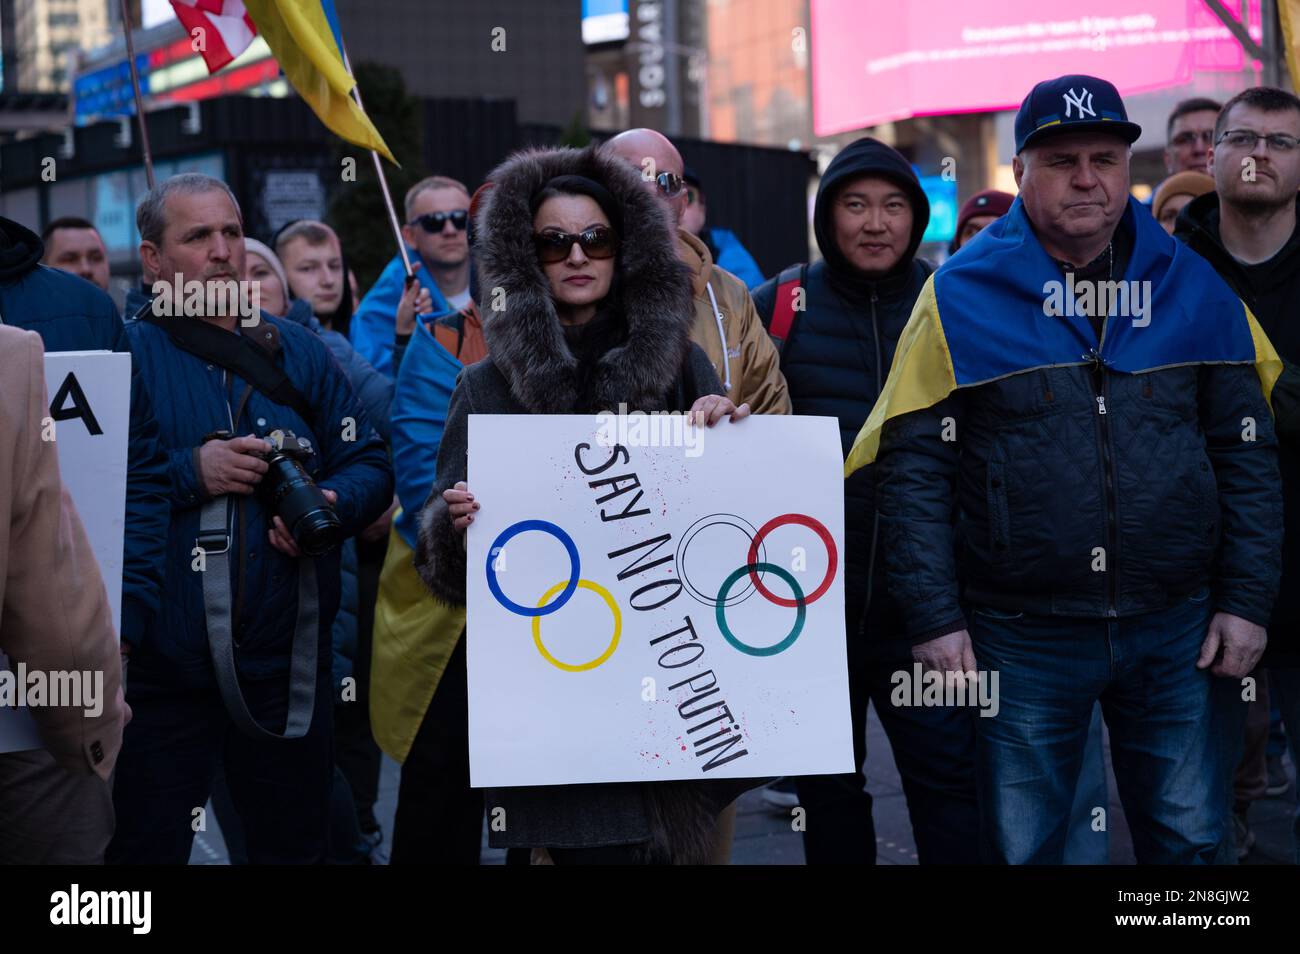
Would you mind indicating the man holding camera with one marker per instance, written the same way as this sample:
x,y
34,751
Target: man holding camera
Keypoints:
x,y
272,464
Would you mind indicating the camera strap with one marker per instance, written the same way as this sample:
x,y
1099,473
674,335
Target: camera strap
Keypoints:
x,y
215,540
248,355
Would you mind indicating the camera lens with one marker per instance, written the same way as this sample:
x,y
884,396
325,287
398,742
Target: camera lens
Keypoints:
x,y
317,531
294,497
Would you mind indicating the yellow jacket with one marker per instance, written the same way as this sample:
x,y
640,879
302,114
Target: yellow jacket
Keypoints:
x,y
748,366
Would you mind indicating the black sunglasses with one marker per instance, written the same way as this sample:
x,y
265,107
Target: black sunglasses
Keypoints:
x,y
554,245
670,183
433,222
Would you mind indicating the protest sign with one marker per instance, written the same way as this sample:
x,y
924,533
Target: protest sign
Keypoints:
x,y
90,421
648,601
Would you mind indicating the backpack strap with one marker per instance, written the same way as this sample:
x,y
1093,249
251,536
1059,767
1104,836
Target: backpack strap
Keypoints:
x,y
251,357
788,284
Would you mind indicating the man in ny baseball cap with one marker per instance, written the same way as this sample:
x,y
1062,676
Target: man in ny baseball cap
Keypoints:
x,y
1072,166
1074,103
1151,396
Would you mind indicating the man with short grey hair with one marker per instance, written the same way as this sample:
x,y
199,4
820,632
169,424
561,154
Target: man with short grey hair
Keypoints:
x,y
236,666
1089,399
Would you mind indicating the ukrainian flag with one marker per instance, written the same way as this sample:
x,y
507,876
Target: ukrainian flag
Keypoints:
x,y
981,317
304,38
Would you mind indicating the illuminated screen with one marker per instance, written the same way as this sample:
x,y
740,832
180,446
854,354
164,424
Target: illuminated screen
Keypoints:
x,y
878,61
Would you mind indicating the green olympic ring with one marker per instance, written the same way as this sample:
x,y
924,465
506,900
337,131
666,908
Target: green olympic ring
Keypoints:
x,y
800,613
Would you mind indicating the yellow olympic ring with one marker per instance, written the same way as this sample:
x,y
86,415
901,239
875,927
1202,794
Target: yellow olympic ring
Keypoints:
x,y
613,643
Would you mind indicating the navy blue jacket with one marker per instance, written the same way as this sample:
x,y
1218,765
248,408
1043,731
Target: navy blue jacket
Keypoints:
x,y
70,314
1272,290
374,390
193,398
838,354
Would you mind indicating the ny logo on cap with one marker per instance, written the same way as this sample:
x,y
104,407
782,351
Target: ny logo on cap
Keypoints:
x,y
1082,101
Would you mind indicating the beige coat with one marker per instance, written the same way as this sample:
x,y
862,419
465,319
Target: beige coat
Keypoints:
x,y
54,611
748,366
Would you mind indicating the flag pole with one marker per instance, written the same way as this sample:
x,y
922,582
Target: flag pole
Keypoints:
x,y
379,171
139,99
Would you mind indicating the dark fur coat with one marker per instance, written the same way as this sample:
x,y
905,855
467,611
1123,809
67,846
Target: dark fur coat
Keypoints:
x,y
647,363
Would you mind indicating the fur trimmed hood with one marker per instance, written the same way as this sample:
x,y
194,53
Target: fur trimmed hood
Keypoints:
x,y
652,289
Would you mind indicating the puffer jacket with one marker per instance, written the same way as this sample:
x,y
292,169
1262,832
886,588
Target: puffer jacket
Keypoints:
x,y
374,390
1274,299
531,368
193,399
837,356
374,324
1084,491
727,328
71,314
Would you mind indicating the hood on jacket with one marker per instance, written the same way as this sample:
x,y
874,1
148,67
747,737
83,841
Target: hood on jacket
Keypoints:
x,y
695,253
1198,226
651,291
866,156
21,250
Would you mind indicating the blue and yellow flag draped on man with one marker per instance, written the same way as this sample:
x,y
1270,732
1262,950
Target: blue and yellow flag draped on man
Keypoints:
x,y
981,316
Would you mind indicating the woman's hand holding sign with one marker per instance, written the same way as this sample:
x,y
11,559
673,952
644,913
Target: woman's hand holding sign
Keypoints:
x,y
461,505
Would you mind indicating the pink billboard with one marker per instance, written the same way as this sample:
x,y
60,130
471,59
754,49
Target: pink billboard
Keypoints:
x,y
874,61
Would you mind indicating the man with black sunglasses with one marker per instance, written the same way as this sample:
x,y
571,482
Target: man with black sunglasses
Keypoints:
x,y
726,325
437,232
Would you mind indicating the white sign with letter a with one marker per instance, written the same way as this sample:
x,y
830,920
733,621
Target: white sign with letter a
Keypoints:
x,y
90,406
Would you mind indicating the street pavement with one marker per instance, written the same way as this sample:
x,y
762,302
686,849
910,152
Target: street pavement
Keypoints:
x,y
767,838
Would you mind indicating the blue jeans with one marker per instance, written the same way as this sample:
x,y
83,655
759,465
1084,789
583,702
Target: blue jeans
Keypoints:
x,y
1157,706
1229,720
1086,844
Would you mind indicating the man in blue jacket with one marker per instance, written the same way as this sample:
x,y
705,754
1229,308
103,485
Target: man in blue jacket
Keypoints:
x,y
237,664
71,314
437,236
1090,398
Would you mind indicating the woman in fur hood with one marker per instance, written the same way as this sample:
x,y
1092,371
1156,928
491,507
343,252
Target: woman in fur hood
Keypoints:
x,y
597,314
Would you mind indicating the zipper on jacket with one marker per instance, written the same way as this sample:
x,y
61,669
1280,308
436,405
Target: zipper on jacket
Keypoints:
x,y
875,510
1109,487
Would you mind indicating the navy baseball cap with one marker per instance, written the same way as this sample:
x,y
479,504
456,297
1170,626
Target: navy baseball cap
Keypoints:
x,y
1074,103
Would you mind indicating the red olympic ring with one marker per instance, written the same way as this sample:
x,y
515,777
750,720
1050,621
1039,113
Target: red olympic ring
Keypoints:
x,y
804,521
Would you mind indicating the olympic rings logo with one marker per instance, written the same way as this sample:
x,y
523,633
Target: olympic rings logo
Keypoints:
x,y
755,564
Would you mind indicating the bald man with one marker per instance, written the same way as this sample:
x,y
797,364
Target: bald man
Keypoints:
x,y
726,325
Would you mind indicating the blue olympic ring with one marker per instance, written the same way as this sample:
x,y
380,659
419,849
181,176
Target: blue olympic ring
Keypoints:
x,y
521,527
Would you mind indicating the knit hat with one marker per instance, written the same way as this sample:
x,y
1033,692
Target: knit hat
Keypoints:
x,y
989,202
271,259
1190,182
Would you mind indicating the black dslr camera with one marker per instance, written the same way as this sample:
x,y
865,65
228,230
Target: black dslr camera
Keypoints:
x,y
288,491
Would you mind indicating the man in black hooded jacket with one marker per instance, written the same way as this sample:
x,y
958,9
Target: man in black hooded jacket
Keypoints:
x,y
837,323
1249,230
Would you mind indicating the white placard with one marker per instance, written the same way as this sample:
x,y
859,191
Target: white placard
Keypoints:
x,y
90,401
661,531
